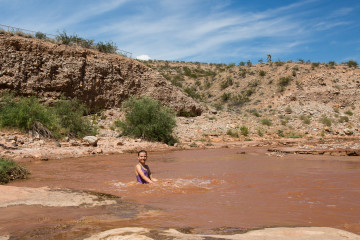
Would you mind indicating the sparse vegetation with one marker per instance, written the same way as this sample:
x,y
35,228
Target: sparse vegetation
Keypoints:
x,y
106,47
262,73
266,121
348,112
284,82
326,121
228,82
305,119
244,130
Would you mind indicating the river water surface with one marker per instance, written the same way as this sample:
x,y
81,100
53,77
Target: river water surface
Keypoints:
x,y
219,188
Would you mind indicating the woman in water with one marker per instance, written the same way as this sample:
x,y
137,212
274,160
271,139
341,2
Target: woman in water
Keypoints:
x,y
142,171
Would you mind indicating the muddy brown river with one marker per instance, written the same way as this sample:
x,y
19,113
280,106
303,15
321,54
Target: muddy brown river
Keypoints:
x,y
198,190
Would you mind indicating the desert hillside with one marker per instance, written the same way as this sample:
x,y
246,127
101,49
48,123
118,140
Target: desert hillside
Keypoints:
x,y
217,104
30,66
291,99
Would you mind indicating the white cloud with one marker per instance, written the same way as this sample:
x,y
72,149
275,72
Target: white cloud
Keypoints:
x,y
143,57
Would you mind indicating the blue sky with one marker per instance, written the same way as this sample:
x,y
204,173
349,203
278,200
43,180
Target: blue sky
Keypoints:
x,y
218,31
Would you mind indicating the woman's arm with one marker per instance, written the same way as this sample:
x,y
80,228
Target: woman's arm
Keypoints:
x,y
142,175
150,175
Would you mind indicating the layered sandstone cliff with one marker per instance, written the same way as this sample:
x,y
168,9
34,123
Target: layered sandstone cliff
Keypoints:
x,y
49,70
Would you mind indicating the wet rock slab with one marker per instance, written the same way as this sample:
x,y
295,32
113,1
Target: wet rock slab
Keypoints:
x,y
301,233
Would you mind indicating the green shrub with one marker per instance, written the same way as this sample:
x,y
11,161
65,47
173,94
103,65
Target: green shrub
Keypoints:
x,y
228,82
244,130
148,119
64,119
325,120
305,119
283,82
225,97
266,122
315,64
192,92
9,170
260,132
22,113
71,118
348,112
64,38
352,63
40,35
106,47
343,119
332,64
239,100
280,133
232,132
279,63
262,73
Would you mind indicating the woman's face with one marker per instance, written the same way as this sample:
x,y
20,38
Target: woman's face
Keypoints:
x,y
142,157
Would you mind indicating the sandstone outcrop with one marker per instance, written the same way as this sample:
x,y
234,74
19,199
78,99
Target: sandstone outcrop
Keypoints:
x,y
49,70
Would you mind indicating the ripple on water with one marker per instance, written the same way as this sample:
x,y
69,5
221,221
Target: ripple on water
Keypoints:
x,y
170,185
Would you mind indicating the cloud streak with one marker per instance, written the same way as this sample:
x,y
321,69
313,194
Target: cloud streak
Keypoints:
x,y
197,30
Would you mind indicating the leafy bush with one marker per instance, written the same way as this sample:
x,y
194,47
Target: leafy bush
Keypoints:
x,y
352,63
9,170
64,119
70,114
262,73
148,119
283,82
24,112
266,122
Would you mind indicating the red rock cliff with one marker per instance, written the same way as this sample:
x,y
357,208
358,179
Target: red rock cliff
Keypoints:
x,y
47,70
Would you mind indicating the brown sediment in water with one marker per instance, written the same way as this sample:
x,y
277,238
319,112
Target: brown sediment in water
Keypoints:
x,y
203,190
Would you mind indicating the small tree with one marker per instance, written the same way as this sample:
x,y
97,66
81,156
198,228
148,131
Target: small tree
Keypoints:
x,y
148,119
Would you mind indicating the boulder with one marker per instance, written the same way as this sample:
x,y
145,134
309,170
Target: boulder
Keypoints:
x,y
91,140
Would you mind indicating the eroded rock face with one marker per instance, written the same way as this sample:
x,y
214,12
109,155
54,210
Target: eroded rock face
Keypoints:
x,y
45,69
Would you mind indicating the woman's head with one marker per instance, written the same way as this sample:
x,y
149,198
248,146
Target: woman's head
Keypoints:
x,y
142,156
142,151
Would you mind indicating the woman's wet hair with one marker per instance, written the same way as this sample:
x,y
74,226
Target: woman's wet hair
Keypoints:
x,y
141,152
